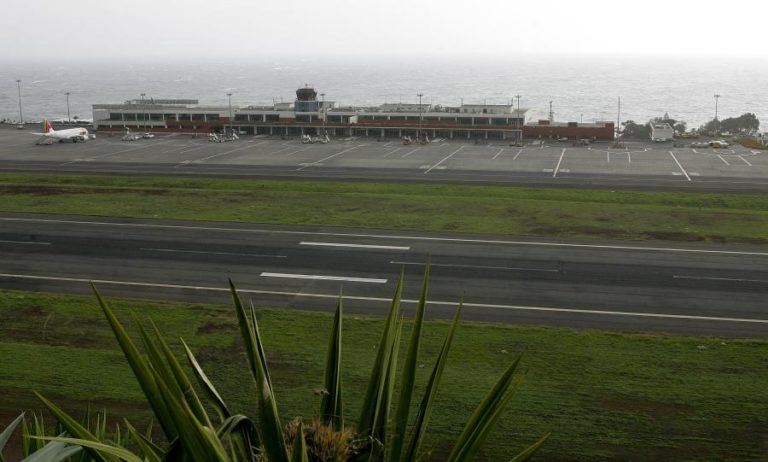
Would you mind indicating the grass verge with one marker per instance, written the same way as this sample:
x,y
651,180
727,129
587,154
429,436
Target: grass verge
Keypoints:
x,y
471,209
605,396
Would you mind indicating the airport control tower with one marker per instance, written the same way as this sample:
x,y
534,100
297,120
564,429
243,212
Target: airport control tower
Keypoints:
x,y
306,100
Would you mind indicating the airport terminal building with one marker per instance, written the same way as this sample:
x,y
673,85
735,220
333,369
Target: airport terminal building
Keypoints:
x,y
309,116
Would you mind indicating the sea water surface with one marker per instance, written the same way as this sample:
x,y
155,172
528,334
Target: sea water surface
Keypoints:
x,y
580,88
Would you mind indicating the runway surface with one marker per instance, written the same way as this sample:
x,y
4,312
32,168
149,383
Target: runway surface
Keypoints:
x,y
602,285
644,166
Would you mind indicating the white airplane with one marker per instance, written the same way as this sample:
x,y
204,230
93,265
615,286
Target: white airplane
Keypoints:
x,y
71,134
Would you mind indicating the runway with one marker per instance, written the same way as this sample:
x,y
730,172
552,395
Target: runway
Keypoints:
x,y
702,290
638,166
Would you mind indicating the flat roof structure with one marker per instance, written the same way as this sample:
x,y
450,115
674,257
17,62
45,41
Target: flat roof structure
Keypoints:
x,y
309,116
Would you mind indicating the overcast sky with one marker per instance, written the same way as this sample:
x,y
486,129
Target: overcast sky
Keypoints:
x,y
97,29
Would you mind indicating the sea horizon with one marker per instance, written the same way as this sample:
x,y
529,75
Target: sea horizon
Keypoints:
x,y
581,88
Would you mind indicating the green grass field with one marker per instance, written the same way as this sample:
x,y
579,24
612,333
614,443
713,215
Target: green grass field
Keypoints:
x,y
604,396
472,209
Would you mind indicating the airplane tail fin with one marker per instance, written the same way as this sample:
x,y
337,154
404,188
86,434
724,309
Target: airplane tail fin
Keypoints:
x,y
47,127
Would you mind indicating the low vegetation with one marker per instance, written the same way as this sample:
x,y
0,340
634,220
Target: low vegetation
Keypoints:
x,y
515,211
385,430
604,396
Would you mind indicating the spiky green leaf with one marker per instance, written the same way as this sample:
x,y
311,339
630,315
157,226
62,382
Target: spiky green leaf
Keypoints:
x,y
200,442
427,402
242,434
151,451
531,450
36,428
377,383
96,447
210,390
332,406
54,451
75,429
270,428
6,434
408,378
182,381
299,451
141,369
487,411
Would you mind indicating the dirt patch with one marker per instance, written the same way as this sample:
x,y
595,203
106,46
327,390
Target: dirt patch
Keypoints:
x,y
59,190
595,231
451,226
672,236
33,324
657,453
653,409
212,328
748,240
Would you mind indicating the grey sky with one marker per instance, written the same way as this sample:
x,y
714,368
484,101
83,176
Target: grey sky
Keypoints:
x,y
98,29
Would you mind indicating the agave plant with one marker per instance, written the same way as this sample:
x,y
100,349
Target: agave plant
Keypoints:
x,y
385,431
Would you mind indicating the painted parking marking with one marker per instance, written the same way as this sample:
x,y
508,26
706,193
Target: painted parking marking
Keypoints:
x,y
723,159
212,156
178,148
391,152
497,154
410,152
745,161
562,154
317,277
679,165
298,151
193,149
516,155
279,150
135,148
303,166
444,159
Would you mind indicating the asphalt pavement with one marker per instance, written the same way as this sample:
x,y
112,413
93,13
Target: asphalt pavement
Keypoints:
x,y
637,165
626,286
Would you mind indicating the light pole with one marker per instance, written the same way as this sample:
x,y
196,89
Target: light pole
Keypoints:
x,y
517,119
229,96
144,110
717,97
69,120
322,108
418,132
21,117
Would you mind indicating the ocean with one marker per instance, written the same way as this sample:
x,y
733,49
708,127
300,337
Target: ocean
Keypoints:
x,y
580,88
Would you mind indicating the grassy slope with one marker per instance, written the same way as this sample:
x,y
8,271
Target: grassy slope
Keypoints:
x,y
603,395
474,209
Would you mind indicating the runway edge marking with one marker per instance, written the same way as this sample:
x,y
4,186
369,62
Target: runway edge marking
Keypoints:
x,y
388,300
